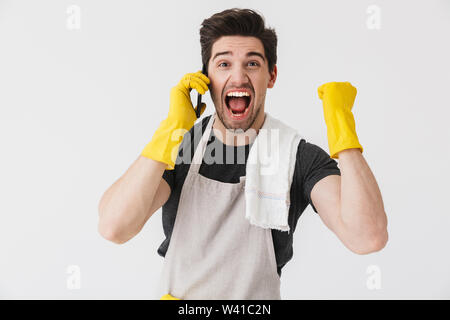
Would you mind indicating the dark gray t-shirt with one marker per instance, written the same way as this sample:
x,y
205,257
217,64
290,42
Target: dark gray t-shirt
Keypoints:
x,y
312,164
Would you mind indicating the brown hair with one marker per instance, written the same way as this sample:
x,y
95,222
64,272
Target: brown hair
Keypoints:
x,y
232,22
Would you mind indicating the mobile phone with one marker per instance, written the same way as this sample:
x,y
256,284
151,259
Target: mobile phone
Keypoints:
x,y
199,97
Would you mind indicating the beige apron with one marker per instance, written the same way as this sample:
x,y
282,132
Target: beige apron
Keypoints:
x,y
214,252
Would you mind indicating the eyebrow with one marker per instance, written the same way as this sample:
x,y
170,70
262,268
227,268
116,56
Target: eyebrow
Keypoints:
x,y
249,54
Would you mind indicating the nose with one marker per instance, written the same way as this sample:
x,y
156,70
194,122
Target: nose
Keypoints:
x,y
238,76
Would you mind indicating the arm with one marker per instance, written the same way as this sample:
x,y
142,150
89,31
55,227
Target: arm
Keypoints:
x,y
132,199
351,204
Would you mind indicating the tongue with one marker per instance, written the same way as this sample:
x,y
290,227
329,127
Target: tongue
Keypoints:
x,y
237,104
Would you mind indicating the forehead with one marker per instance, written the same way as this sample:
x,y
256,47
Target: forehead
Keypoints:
x,y
237,45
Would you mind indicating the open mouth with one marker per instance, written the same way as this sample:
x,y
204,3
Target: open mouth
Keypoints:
x,y
238,106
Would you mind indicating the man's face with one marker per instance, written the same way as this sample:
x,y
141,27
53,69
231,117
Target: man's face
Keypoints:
x,y
238,64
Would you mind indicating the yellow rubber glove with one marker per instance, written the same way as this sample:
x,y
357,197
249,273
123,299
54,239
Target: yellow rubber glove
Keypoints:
x,y
166,140
338,99
168,297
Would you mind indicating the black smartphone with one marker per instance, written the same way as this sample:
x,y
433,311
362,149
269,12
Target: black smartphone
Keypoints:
x,y
199,97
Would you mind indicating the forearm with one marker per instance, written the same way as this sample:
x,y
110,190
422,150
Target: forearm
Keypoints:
x,y
124,207
362,212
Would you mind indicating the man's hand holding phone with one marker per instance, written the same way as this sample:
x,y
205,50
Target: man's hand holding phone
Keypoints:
x,y
165,142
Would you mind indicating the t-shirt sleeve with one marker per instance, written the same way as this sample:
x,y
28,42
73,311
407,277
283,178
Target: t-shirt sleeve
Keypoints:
x,y
169,176
315,164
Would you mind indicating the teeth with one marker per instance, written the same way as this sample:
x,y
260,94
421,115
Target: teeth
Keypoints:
x,y
238,94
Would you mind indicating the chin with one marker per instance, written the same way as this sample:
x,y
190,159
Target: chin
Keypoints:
x,y
244,126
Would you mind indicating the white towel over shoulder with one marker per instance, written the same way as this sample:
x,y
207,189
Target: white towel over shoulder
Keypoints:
x,y
269,172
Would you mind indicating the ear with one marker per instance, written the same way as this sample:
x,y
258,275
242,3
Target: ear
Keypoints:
x,y
273,77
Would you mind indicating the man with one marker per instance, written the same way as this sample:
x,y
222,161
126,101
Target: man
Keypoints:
x,y
215,253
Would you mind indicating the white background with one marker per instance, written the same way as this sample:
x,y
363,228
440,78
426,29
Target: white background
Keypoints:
x,y
78,106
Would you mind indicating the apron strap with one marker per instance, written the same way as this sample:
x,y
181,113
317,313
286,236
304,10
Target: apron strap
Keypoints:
x,y
201,147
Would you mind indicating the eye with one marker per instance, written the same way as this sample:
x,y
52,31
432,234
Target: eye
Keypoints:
x,y
257,64
221,63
